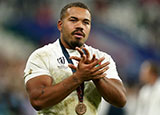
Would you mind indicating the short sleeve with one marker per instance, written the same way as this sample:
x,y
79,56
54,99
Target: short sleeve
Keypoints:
x,y
112,71
36,65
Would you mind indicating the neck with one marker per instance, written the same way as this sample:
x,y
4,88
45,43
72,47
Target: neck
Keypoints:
x,y
65,44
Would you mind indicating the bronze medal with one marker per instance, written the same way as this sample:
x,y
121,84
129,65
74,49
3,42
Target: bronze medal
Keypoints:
x,y
81,109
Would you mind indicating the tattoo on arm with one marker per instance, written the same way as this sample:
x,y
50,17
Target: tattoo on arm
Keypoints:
x,y
75,79
67,86
42,92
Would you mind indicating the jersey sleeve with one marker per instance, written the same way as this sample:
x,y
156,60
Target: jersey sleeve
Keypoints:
x,y
36,65
112,71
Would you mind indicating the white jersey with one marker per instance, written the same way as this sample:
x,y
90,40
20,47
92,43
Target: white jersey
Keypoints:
x,y
49,60
148,102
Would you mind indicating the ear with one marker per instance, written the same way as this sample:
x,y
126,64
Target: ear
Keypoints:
x,y
59,25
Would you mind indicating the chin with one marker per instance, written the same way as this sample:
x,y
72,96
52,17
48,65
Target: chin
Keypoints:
x,y
76,44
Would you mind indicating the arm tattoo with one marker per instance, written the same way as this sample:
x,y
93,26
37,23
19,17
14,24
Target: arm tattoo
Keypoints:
x,y
42,92
75,79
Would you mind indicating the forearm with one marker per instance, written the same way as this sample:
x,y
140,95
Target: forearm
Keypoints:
x,y
112,91
49,96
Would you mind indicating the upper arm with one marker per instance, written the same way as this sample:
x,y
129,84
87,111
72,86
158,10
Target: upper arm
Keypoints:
x,y
119,84
36,85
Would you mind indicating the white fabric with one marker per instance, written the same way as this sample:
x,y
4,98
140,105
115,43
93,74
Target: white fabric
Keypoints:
x,y
49,60
149,100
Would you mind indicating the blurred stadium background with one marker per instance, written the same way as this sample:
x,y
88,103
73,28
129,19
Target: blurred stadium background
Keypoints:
x,y
129,30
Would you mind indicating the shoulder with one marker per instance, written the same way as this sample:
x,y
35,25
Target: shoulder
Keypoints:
x,y
157,85
144,90
99,53
46,50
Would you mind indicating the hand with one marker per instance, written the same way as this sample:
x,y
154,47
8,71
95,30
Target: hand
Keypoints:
x,y
87,68
88,60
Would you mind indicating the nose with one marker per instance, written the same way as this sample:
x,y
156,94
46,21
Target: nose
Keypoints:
x,y
79,25
79,28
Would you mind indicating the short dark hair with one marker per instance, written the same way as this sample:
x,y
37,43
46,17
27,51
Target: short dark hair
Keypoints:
x,y
73,4
154,68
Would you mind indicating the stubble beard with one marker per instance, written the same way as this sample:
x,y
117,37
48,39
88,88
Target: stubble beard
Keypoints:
x,y
73,44
71,41
76,43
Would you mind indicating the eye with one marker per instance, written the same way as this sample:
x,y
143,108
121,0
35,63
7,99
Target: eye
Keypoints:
x,y
72,20
86,22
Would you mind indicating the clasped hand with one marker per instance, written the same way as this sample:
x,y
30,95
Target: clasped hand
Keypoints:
x,y
89,68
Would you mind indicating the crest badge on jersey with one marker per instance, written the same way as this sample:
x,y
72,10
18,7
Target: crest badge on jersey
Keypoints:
x,y
61,61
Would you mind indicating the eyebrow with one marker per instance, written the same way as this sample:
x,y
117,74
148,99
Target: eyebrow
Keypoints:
x,y
74,17
77,18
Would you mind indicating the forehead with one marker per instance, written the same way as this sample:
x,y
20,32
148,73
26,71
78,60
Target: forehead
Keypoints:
x,y
78,12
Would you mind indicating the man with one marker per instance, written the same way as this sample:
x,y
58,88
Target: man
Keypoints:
x,y
148,102
69,77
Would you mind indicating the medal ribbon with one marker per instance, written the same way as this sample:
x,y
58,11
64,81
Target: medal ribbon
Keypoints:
x,y
80,89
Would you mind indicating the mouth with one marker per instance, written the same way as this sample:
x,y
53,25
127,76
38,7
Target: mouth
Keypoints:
x,y
78,34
